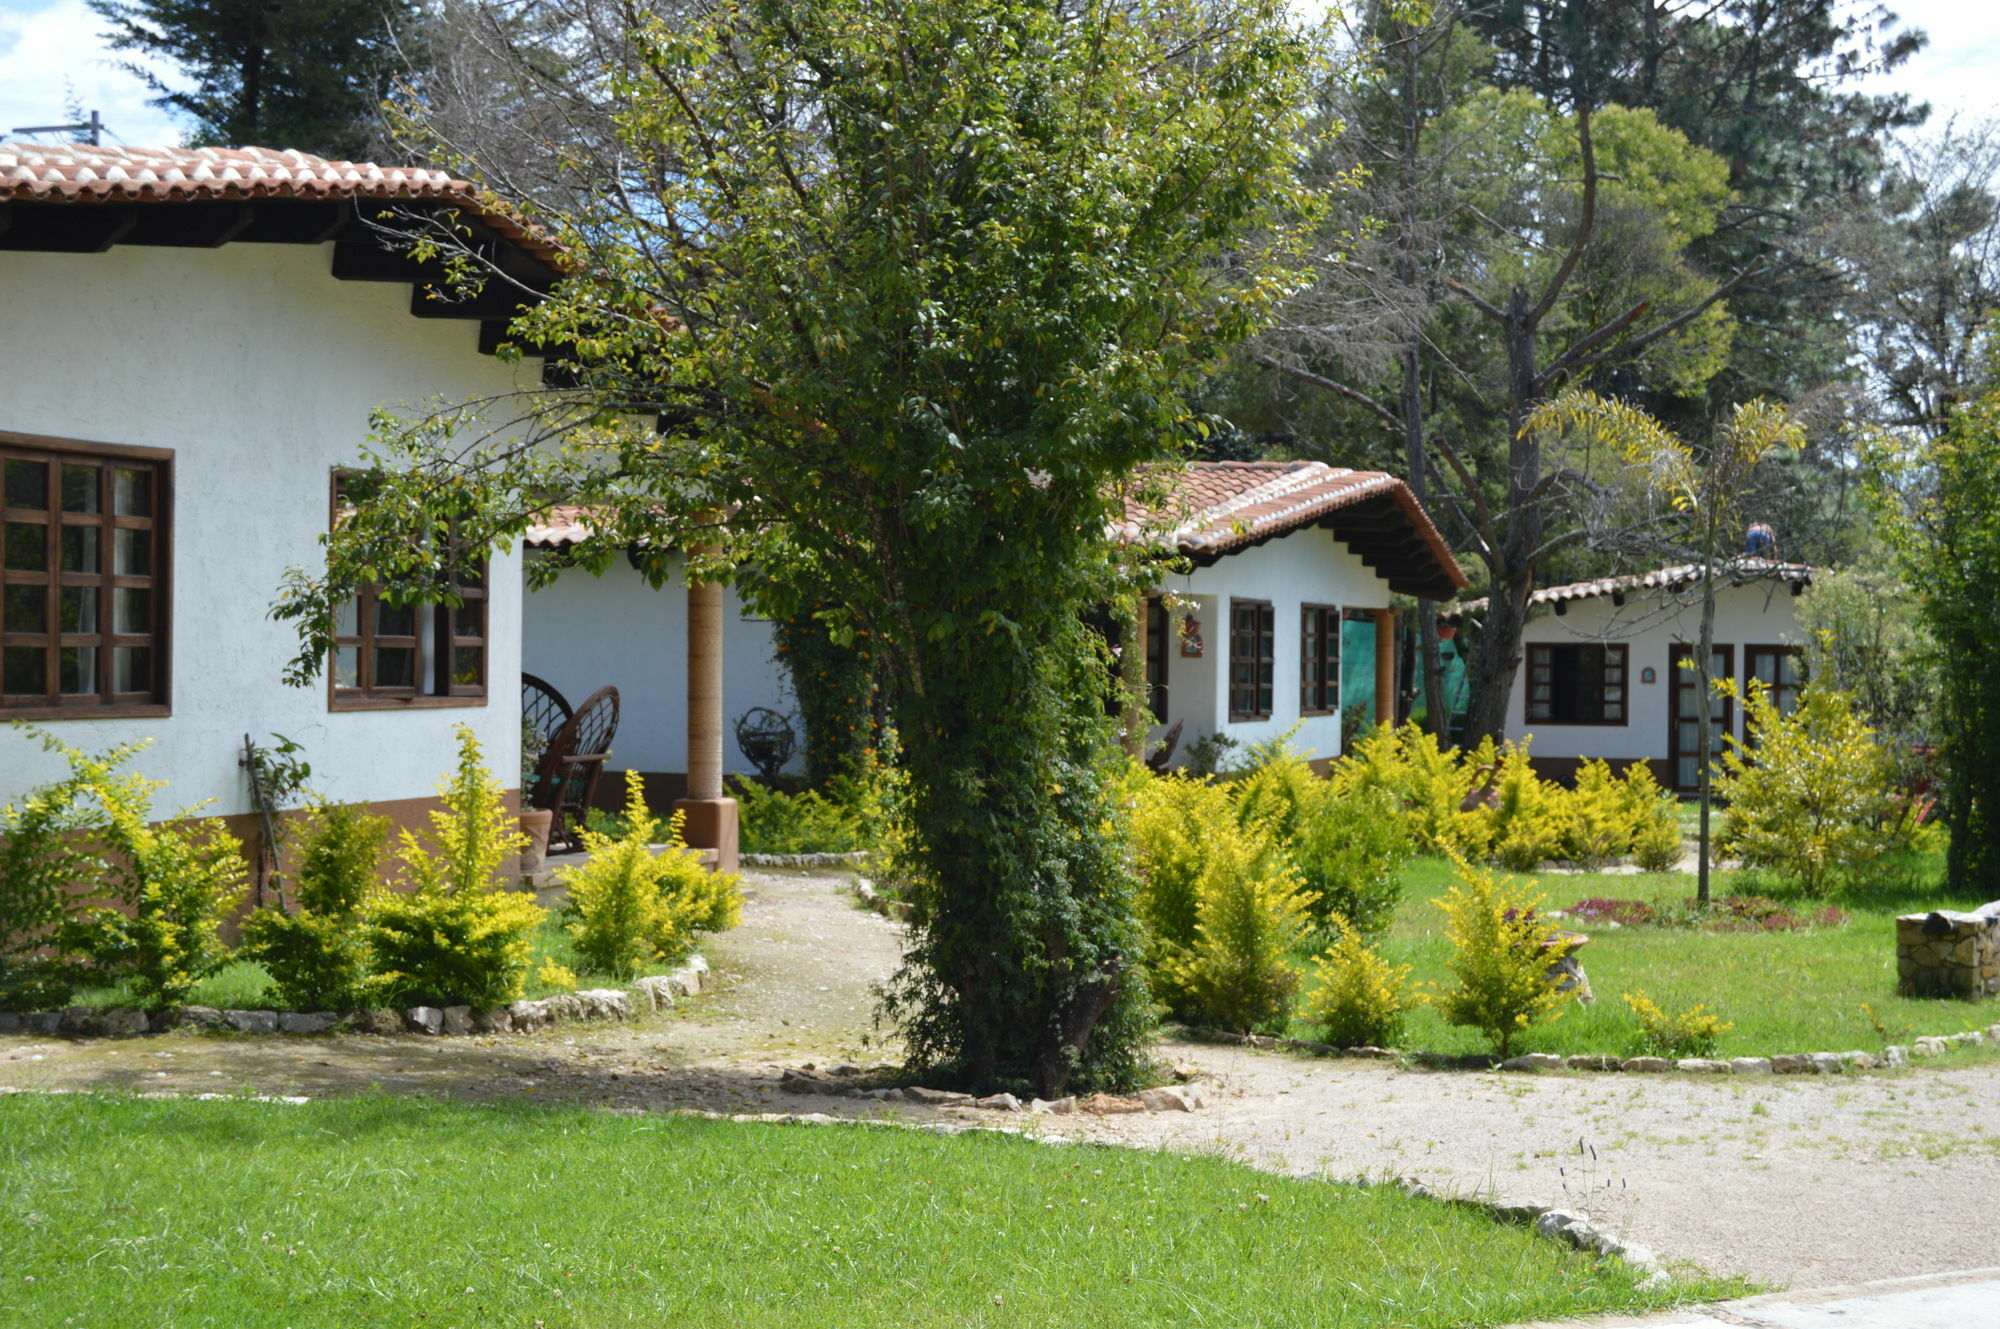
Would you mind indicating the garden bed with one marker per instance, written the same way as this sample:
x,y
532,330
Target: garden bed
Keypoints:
x,y
1823,987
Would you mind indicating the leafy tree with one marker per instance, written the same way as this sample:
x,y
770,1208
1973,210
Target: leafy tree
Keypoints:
x,y
1706,487
1923,268
1947,528
918,287
305,74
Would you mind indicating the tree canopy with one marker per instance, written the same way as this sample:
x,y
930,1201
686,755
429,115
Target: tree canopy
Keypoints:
x,y
914,291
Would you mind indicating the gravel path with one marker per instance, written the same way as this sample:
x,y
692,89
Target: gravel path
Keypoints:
x,y
1795,1182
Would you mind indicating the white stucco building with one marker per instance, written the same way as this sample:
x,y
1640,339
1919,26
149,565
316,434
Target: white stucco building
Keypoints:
x,y
1247,642
194,342
1600,674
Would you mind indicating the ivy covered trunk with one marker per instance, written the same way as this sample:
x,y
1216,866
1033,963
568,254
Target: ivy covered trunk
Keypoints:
x,y
1023,967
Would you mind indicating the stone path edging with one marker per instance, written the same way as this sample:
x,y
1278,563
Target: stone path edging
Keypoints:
x,y
847,860
656,992
1791,1063
896,911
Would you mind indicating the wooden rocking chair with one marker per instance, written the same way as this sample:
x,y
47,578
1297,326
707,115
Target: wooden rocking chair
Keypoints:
x,y
1168,743
567,775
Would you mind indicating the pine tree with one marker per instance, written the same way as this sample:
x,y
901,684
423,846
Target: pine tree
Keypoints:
x,y
305,74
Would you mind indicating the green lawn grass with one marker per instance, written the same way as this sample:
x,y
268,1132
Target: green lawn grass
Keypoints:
x,y
1783,992
138,1212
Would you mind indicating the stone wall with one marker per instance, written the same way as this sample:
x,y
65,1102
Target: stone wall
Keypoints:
x,y
1948,953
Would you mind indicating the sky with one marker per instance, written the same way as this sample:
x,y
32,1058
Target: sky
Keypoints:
x,y
53,57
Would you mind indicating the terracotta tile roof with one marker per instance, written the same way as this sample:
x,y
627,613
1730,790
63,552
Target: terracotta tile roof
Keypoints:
x,y
79,173
1221,508
560,527
1226,506
1678,577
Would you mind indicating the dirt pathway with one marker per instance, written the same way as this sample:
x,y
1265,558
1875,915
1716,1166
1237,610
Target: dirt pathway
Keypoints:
x,y
1801,1182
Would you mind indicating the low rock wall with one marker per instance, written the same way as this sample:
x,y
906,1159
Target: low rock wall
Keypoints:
x,y
655,993
1949,953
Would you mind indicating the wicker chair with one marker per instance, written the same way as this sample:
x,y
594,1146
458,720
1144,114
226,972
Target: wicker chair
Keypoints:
x,y
1169,741
567,775
543,711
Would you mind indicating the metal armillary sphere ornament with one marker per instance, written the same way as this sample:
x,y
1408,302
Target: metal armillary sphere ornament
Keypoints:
x,y
767,739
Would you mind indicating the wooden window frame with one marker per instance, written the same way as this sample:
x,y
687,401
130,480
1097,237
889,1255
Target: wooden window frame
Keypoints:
x,y
1263,639
103,703
1159,640
1725,724
435,642
1779,690
1320,625
1541,654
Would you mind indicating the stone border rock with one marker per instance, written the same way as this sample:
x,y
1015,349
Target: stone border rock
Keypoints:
x,y
896,911
848,860
839,1082
657,992
1795,1063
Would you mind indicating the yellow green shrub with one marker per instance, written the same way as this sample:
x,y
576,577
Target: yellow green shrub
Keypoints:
x,y
1532,818
1173,819
1361,998
318,955
452,936
1692,1033
630,907
1652,815
1600,818
1250,915
1498,958
1426,783
1812,795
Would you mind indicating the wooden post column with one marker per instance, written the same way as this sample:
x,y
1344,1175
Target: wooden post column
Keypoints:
x,y
711,818
1385,667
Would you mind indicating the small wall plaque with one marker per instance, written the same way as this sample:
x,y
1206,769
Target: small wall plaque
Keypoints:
x,y
1647,675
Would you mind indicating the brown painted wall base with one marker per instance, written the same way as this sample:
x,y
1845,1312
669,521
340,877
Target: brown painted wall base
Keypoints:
x,y
1563,770
711,824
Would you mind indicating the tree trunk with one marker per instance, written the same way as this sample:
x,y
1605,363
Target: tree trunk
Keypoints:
x,y
1704,707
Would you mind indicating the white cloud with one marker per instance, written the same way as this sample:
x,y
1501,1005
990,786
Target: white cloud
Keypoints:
x,y
1957,72
53,56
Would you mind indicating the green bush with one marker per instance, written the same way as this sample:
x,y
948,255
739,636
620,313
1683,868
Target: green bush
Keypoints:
x,y
1251,913
631,908
452,937
1498,959
856,811
318,955
1350,850
1533,819
41,857
1811,795
163,890
1361,998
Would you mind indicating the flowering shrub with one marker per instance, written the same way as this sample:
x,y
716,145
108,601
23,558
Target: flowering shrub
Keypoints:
x,y
1625,913
40,856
